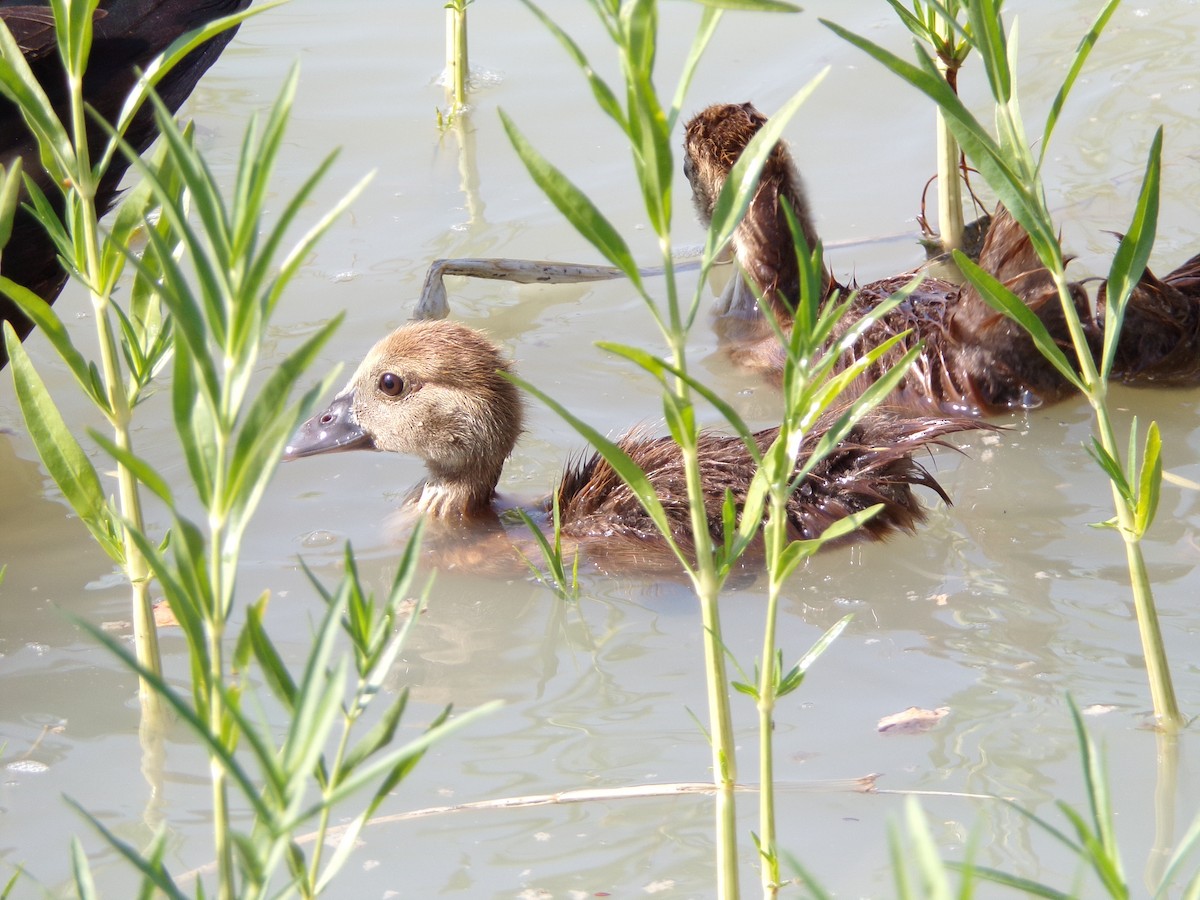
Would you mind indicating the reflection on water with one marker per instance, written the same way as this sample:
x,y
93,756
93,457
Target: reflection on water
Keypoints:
x,y
999,607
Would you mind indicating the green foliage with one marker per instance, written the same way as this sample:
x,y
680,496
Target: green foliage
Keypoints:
x,y
201,297
1013,171
810,387
564,583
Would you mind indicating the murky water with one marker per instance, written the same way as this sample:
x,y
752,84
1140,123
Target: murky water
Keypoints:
x,y
998,608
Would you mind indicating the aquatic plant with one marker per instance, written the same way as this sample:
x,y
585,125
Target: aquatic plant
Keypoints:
x,y
134,342
1013,170
809,389
204,291
938,25
458,70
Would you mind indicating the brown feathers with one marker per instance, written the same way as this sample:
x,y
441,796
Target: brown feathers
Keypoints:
x,y
434,389
973,360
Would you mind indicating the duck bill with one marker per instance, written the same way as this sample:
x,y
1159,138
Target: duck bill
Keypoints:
x,y
331,431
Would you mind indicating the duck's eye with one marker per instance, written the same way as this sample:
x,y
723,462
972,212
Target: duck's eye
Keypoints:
x,y
391,384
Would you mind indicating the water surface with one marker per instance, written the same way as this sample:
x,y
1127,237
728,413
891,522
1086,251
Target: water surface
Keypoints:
x,y
1000,606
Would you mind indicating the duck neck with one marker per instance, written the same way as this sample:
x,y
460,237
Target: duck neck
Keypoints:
x,y
764,246
456,495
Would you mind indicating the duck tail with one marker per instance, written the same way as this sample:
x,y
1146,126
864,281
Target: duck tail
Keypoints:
x,y
1160,334
874,464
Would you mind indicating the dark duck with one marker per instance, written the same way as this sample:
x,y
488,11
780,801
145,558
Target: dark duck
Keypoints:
x,y
127,36
974,361
434,390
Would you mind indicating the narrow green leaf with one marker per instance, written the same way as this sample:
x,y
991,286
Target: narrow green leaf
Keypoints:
x,y
51,326
626,468
267,425
149,864
822,643
217,750
1001,299
742,184
165,62
19,85
61,454
742,688
1132,255
300,252
142,471
379,737
656,366
1012,187
1183,849
274,670
1081,54
572,203
81,871
195,421
704,33
987,31
1025,885
367,775
10,195
1112,468
605,98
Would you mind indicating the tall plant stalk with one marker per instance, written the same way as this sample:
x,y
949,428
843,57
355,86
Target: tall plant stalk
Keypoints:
x,y
1013,171
647,124
457,65
937,24
122,378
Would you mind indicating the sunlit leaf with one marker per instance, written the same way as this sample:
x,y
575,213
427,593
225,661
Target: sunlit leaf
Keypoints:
x,y
61,454
572,203
1149,481
1131,257
1001,299
625,467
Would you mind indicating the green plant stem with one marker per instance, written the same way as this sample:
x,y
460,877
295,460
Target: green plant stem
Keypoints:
x,y
348,719
950,214
222,563
1162,691
220,792
708,590
137,570
950,207
775,537
707,585
456,53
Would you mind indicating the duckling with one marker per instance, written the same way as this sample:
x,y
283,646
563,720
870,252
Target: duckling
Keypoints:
x,y
436,389
974,360
127,36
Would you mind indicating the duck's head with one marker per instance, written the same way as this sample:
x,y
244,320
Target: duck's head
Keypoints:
x,y
712,143
432,389
763,242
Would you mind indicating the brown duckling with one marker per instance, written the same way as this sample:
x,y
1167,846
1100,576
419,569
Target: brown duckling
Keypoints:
x,y
436,390
974,360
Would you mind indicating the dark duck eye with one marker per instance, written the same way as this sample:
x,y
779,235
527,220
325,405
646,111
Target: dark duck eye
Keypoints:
x,y
391,384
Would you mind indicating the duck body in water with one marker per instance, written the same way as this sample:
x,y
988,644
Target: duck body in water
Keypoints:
x,y
435,390
127,36
974,360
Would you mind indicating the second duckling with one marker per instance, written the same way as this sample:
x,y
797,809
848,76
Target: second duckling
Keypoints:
x,y
974,360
